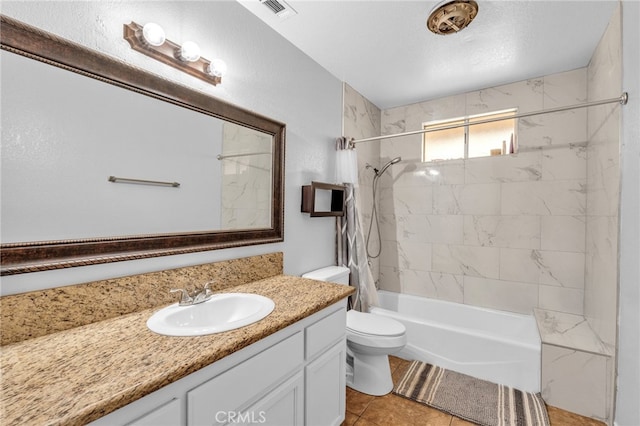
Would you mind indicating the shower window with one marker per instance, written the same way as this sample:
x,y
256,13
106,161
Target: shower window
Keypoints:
x,y
468,140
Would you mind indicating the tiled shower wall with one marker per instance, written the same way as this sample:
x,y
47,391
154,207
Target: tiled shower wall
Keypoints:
x,y
603,185
361,119
535,229
506,232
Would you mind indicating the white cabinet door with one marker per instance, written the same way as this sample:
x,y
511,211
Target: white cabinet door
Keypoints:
x,y
283,406
168,414
325,388
211,402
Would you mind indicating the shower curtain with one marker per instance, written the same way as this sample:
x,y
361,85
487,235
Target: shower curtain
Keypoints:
x,y
351,249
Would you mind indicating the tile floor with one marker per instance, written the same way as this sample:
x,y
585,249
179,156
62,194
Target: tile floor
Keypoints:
x,y
393,410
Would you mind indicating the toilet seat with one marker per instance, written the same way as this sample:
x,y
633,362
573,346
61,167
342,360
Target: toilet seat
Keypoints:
x,y
374,331
375,325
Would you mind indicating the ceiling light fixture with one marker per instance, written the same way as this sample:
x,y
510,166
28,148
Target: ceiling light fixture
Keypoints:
x,y
150,40
451,17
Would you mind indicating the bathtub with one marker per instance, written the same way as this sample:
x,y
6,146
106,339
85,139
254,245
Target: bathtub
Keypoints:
x,y
498,346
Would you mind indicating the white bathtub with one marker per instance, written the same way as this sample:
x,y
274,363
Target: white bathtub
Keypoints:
x,y
498,346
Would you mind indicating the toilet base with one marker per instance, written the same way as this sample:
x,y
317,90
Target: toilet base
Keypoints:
x,y
371,374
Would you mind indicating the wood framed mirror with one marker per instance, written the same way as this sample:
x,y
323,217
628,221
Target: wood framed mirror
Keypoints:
x,y
25,251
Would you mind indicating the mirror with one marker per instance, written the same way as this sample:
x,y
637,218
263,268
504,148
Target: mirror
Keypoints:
x,y
99,182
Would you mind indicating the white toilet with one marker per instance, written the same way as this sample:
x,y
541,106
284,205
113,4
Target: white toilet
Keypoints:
x,y
370,339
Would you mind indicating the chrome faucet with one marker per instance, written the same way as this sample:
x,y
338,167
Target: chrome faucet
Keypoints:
x,y
195,297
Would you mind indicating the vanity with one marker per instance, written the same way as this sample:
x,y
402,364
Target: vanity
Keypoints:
x,y
285,369
83,353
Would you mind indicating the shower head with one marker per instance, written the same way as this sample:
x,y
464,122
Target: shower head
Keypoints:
x,y
386,166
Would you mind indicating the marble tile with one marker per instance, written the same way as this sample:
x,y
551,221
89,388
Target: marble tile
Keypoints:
x,y
407,147
563,233
521,167
604,76
393,120
566,197
520,265
392,228
563,89
416,174
564,269
603,176
497,294
467,199
568,300
390,279
559,128
564,162
389,255
435,110
441,172
569,331
433,285
575,381
413,255
445,229
466,260
502,231
361,117
406,200
561,269
411,228
525,95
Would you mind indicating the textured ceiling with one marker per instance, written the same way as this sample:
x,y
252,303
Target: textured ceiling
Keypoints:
x,y
384,51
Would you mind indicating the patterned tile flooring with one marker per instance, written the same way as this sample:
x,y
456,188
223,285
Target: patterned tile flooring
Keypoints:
x,y
393,410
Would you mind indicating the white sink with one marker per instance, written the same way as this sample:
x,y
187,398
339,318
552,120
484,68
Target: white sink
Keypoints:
x,y
223,312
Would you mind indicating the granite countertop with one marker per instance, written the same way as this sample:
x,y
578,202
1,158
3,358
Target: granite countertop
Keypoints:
x,y
79,375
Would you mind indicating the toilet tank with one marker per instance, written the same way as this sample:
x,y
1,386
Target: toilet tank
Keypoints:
x,y
333,274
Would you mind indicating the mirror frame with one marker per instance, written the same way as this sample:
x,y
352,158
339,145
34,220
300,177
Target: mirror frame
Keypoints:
x,y
24,257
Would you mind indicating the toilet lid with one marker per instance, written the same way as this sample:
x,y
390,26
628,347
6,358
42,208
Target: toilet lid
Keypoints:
x,y
366,323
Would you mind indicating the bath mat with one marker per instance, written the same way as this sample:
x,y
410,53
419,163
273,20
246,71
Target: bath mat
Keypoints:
x,y
472,399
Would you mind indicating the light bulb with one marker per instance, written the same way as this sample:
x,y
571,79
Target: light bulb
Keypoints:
x,y
217,68
189,51
153,34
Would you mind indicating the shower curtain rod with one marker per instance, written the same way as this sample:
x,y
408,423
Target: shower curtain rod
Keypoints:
x,y
622,100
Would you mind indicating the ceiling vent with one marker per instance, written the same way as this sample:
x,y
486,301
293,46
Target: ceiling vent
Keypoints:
x,y
279,8
450,17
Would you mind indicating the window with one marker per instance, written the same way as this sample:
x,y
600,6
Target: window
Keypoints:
x,y
470,140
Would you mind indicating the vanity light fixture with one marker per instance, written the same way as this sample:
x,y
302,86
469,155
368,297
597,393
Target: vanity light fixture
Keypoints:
x,y
153,34
150,40
189,52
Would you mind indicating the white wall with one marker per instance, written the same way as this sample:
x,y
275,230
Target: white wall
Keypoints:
x,y
627,407
266,74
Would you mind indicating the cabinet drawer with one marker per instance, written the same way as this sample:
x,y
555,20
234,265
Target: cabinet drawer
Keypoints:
x,y
325,333
232,389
